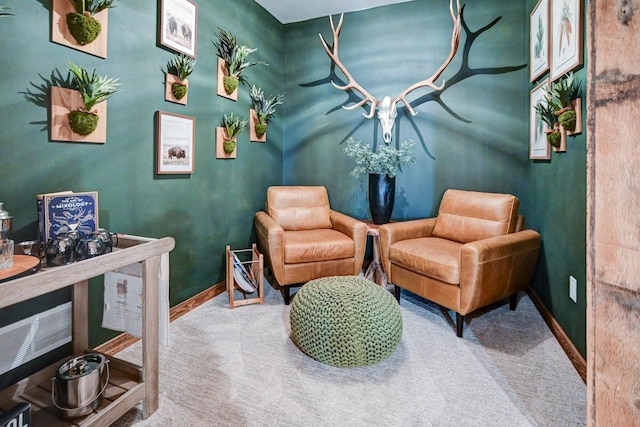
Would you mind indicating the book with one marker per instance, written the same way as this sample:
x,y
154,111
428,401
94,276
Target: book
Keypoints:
x,y
67,211
245,281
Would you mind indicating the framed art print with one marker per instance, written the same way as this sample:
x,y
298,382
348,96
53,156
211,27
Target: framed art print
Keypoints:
x,y
539,148
175,143
566,36
539,40
179,25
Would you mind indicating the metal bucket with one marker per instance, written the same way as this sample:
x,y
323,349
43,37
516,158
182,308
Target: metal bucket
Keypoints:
x,y
79,385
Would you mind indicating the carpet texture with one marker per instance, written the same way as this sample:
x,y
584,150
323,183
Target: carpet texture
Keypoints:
x,y
240,368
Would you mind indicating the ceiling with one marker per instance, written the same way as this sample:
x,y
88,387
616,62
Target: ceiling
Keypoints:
x,y
287,11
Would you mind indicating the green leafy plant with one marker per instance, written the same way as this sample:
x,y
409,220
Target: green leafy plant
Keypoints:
x,y
546,110
386,160
95,89
562,94
235,57
181,66
3,11
265,108
82,24
233,125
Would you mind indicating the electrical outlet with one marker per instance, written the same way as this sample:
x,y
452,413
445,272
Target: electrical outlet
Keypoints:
x,y
573,289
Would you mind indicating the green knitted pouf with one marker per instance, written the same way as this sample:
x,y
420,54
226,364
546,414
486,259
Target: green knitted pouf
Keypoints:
x,y
345,321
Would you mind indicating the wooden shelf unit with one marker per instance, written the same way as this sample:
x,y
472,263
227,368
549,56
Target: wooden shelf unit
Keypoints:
x,y
128,383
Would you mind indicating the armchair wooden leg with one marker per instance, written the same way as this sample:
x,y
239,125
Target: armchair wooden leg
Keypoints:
x,y
396,292
513,301
459,324
286,295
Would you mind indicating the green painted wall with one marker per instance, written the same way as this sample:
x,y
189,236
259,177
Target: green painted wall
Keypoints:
x,y
557,199
204,211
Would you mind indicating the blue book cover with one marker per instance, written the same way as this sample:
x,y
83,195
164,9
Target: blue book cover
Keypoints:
x,y
70,212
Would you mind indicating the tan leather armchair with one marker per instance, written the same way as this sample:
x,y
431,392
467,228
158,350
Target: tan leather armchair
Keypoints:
x,y
303,239
474,253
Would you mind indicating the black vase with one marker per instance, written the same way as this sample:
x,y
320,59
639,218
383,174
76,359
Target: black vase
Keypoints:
x,y
382,193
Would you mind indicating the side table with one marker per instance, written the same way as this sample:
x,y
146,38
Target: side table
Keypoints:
x,y
375,271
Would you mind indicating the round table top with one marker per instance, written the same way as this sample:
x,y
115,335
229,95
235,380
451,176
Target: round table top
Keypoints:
x,y
22,266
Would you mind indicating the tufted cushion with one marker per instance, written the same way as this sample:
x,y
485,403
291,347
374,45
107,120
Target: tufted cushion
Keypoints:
x,y
299,207
345,321
467,216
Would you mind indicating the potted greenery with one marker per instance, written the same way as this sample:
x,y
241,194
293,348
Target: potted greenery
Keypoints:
x,y
235,59
233,125
95,89
82,24
546,110
265,108
180,66
382,166
563,93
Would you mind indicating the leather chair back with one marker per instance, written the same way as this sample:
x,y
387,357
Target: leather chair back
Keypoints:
x,y
299,207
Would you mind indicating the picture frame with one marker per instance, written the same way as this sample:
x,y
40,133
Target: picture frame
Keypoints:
x,y
175,143
539,40
178,26
566,36
539,148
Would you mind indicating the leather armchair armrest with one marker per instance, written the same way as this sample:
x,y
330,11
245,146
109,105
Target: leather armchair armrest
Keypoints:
x,y
491,269
356,230
397,231
271,242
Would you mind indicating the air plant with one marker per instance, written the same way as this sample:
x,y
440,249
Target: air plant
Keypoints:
x,y
265,108
95,89
233,125
82,24
182,67
235,57
546,110
562,94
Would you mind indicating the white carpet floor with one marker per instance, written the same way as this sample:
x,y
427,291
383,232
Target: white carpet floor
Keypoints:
x,y
240,368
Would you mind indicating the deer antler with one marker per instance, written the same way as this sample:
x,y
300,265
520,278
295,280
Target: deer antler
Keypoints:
x,y
352,83
430,82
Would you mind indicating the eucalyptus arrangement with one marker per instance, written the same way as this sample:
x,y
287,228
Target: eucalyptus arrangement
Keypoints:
x,y
386,160
95,89
82,24
562,94
265,108
233,125
181,66
235,57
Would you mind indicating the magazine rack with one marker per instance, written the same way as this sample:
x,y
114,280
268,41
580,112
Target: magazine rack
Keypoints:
x,y
244,275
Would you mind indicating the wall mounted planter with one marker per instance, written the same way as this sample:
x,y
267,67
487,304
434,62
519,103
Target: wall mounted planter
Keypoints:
x,y
221,135
170,79
222,72
253,121
61,34
63,101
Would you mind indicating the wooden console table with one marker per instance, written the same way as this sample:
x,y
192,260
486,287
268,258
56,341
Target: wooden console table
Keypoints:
x,y
128,383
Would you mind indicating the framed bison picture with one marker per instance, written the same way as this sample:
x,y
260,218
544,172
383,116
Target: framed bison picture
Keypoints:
x,y
179,25
175,143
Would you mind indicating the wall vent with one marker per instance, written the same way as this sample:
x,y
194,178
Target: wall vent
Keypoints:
x,y
34,336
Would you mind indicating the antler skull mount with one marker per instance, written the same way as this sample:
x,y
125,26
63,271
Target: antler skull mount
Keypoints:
x,y
387,108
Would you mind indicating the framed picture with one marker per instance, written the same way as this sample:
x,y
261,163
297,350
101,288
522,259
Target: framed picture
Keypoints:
x,y
179,25
539,148
539,40
566,36
175,143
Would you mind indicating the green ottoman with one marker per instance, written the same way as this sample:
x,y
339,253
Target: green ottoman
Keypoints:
x,y
345,321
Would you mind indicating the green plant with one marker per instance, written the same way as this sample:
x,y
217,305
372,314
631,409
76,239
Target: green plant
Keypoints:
x,y
95,89
233,125
82,25
265,108
181,66
235,57
546,111
563,93
386,160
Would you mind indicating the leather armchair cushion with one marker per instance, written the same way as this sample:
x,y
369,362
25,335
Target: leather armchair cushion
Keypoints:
x,y
299,208
430,256
316,245
467,216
